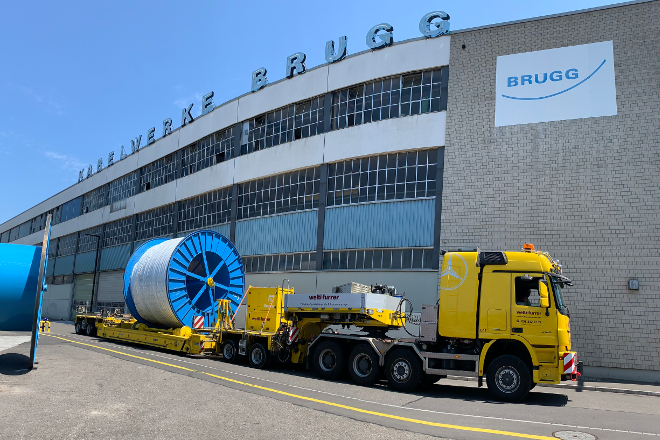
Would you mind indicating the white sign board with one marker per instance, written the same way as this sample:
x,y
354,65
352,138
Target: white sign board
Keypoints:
x,y
555,84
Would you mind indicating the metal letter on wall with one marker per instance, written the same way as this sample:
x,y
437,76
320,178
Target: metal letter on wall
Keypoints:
x,y
259,79
99,165
295,62
207,103
151,135
186,117
90,171
167,127
111,158
441,26
384,33
135,144
123,154
330,55
81,175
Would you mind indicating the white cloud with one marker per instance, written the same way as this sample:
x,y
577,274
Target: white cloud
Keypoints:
x,y
48,103
65,162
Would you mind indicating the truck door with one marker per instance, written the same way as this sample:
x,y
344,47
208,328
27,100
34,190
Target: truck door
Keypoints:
x,y
494,308
538,325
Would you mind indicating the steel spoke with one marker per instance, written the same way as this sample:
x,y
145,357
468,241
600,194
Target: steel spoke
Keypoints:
x,y
194,275
206,265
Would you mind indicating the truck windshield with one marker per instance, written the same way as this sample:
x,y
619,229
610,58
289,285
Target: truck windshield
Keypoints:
x,y
559,300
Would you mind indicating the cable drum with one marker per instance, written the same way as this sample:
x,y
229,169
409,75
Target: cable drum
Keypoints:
x,y
169,281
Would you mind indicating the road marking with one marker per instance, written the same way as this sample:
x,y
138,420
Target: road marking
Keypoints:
x,y
324,402
534,422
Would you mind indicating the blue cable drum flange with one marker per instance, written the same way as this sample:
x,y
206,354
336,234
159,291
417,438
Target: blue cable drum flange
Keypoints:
x,y
168,282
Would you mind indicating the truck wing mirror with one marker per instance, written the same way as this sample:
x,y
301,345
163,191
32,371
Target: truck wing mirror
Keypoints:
x,y
543,293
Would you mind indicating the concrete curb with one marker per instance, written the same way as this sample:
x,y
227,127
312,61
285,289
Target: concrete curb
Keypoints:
x,y
580,387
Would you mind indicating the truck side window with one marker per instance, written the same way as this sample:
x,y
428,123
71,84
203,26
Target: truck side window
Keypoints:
x,y
527,291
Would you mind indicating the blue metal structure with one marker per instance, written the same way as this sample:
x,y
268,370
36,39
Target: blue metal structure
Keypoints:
x,y
22,271
202,268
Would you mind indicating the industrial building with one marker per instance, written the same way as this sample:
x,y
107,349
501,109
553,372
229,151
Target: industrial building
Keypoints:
x,y
364,168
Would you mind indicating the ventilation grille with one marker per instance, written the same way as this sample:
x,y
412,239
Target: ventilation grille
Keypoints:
x,y
492,258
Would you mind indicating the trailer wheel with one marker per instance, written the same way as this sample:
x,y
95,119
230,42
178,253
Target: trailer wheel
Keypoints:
x,y
230,351
258,356
89,330
77,328
403,370
363,365
328,360
508,378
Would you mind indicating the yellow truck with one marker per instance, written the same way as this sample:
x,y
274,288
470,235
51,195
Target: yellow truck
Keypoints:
x,y
499,314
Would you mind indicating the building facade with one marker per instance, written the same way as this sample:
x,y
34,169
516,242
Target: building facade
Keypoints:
x,y
363,169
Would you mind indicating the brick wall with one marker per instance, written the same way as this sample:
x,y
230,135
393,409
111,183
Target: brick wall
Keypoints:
x,y
585,190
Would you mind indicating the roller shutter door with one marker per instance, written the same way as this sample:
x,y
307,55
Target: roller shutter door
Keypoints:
x,y
111,286
83,288
56,304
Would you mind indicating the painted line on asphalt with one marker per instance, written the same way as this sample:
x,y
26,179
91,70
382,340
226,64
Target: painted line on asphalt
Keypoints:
x,y
324,402
534,422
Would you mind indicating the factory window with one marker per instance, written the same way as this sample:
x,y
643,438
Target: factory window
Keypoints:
x,y
24,229
375,259
13,234
94,200
52,248
67,245
203,211
87,243
297,121
71,209
118,232
4,238
394,176
57,215
154,223
60,279
158,173
295,191
280,262
38,223
207,152
401,95
122,188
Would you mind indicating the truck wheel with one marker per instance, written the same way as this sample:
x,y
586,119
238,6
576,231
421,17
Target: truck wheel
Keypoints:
x,y
258,356
89,330
78,329
363,365
328,360
403,370
230,351
508,378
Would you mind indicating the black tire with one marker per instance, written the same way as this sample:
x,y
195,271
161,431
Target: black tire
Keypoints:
x,y
328,360
258,356
363,365
229,351
77,328
403,370
508,378
90,330
532,385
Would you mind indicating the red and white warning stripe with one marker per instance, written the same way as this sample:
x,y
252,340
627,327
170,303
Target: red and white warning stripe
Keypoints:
x,y
570,363
201,347
293,335
198,322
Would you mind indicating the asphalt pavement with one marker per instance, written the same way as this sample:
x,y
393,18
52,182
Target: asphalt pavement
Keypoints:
x,y
86,387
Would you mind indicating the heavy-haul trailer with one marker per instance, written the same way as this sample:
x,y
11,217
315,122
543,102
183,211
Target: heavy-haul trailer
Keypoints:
x,y
499,314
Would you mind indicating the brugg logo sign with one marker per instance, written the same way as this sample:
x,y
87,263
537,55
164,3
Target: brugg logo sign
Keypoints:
x,y
579,79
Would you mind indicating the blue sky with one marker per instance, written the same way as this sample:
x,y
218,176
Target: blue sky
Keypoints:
x,y
79,79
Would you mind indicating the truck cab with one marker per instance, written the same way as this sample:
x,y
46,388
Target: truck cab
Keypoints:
x,y
507,310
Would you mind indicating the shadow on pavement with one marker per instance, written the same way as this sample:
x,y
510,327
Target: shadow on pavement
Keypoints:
x,y
14,364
